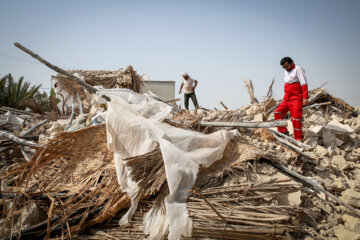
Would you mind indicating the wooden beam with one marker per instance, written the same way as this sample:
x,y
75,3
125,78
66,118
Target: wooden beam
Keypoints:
x,y
317,105
17,140
296,149
226,108
290,139
133,80
278,123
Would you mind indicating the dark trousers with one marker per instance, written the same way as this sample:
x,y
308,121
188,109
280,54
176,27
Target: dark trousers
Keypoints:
x,y
193,98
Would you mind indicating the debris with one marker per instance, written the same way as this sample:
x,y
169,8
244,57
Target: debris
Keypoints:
x,y
351,222
10,122
341,162
222,104
206,175
17,140
318,188
239,124
250,89
343,234
351,197
16,111
337,127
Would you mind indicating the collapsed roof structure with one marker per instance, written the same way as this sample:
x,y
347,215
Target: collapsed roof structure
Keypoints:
x,y
216,174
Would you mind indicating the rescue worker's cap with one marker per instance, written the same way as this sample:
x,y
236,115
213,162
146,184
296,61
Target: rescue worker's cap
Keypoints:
x,y
184,74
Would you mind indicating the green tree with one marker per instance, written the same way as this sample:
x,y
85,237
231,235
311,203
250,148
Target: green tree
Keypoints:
x,y
42,99
3,82
14,93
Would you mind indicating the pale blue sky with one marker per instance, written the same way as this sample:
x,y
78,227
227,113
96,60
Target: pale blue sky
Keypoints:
x,y
217,42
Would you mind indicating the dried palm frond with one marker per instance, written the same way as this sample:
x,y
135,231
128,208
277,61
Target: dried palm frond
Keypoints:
x,y
76,172
250,89
123,78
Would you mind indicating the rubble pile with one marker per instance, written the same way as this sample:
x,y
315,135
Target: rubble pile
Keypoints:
x,y
262,185
123,78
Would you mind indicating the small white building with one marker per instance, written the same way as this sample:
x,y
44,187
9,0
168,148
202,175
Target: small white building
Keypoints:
x,y
164,89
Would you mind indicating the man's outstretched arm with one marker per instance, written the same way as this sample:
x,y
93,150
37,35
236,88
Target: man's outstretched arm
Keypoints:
x,y
181,86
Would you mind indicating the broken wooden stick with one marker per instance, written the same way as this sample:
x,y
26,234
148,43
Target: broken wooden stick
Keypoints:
x,y
317,105
296,149
17,111
278,123
134,85
250,89
173,100
312,183
27,132
226,108
197,192
60,70
290,139
269,93
17,140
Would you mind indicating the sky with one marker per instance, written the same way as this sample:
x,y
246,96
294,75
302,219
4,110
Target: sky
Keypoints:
x,y
219,43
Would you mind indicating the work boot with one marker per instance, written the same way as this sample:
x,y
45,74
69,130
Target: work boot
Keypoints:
x,y
286,133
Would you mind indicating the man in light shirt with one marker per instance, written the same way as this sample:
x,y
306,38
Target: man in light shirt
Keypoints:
x,y
296,96
189,85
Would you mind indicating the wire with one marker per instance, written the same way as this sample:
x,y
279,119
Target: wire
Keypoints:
x,y
5,55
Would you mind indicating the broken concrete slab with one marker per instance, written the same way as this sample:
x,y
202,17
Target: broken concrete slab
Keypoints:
x,y
341,162
259,117
337,127
313,142
337,185
30,216
321,151
351,197
351,222
291,199
343,234
330,139
337,118
317,118
315,130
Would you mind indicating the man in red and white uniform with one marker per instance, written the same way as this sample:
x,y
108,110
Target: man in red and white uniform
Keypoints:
x,y
296,96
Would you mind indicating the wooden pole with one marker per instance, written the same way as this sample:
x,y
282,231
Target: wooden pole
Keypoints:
x,y
26,133
278,123
60,70
298,150
290,139
317,105
133,80
245,124
226,108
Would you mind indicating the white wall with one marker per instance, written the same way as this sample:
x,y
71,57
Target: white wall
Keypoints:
x,y
164,89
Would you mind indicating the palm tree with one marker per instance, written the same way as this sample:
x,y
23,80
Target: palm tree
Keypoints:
x,y
14,93
3,81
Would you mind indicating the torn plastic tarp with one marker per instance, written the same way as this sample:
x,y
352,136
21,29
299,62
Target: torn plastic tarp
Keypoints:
x,y
10,122
134,127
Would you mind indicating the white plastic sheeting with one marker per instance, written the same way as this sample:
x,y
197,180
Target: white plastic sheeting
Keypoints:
x,y
134,127
10,122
